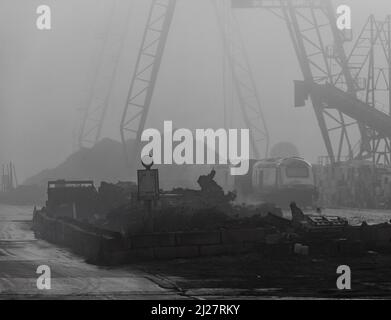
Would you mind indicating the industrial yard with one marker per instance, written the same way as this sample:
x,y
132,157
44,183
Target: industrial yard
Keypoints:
x,y
150,154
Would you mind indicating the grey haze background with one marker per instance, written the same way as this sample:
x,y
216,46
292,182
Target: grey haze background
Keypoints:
x,y
45,76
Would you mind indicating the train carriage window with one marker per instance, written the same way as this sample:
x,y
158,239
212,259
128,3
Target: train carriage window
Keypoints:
x,y
297,170
269,177
264,177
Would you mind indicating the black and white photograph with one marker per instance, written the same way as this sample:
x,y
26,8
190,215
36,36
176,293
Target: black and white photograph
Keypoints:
x,y
195,154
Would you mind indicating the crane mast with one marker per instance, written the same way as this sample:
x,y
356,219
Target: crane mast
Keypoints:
x,y
244,84
144,79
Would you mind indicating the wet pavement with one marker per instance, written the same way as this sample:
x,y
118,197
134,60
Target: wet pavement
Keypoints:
x,y
244,277
71,277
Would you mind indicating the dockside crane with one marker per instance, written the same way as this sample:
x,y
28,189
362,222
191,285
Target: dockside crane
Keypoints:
x,y
350,126
344,88
145,76
369,62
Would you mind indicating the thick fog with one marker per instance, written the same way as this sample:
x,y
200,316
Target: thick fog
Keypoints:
x,y
46,76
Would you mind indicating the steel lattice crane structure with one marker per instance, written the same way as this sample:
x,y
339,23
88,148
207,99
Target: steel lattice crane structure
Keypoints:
x,y
113,39
370,64
331,81
144,80
243,81
145,75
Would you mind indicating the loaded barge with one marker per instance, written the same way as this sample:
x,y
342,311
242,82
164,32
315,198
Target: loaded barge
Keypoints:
x,y
64,221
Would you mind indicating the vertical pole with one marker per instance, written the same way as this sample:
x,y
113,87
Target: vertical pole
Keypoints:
x,y
11,183
74,211
15,177
373,43
389,60
150,216
150,221
2,179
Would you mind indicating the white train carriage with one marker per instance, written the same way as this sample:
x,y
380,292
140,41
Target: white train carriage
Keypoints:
x,y
282,181
279,181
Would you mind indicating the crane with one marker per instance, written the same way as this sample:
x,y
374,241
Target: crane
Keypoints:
x,y
145,76
243,81
351,127
369,62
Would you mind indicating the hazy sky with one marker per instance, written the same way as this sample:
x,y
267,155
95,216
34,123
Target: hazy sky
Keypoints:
x,y
45,76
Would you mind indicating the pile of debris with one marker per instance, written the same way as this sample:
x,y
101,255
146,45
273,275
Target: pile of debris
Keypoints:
x,y
113,196
208,208
179,209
